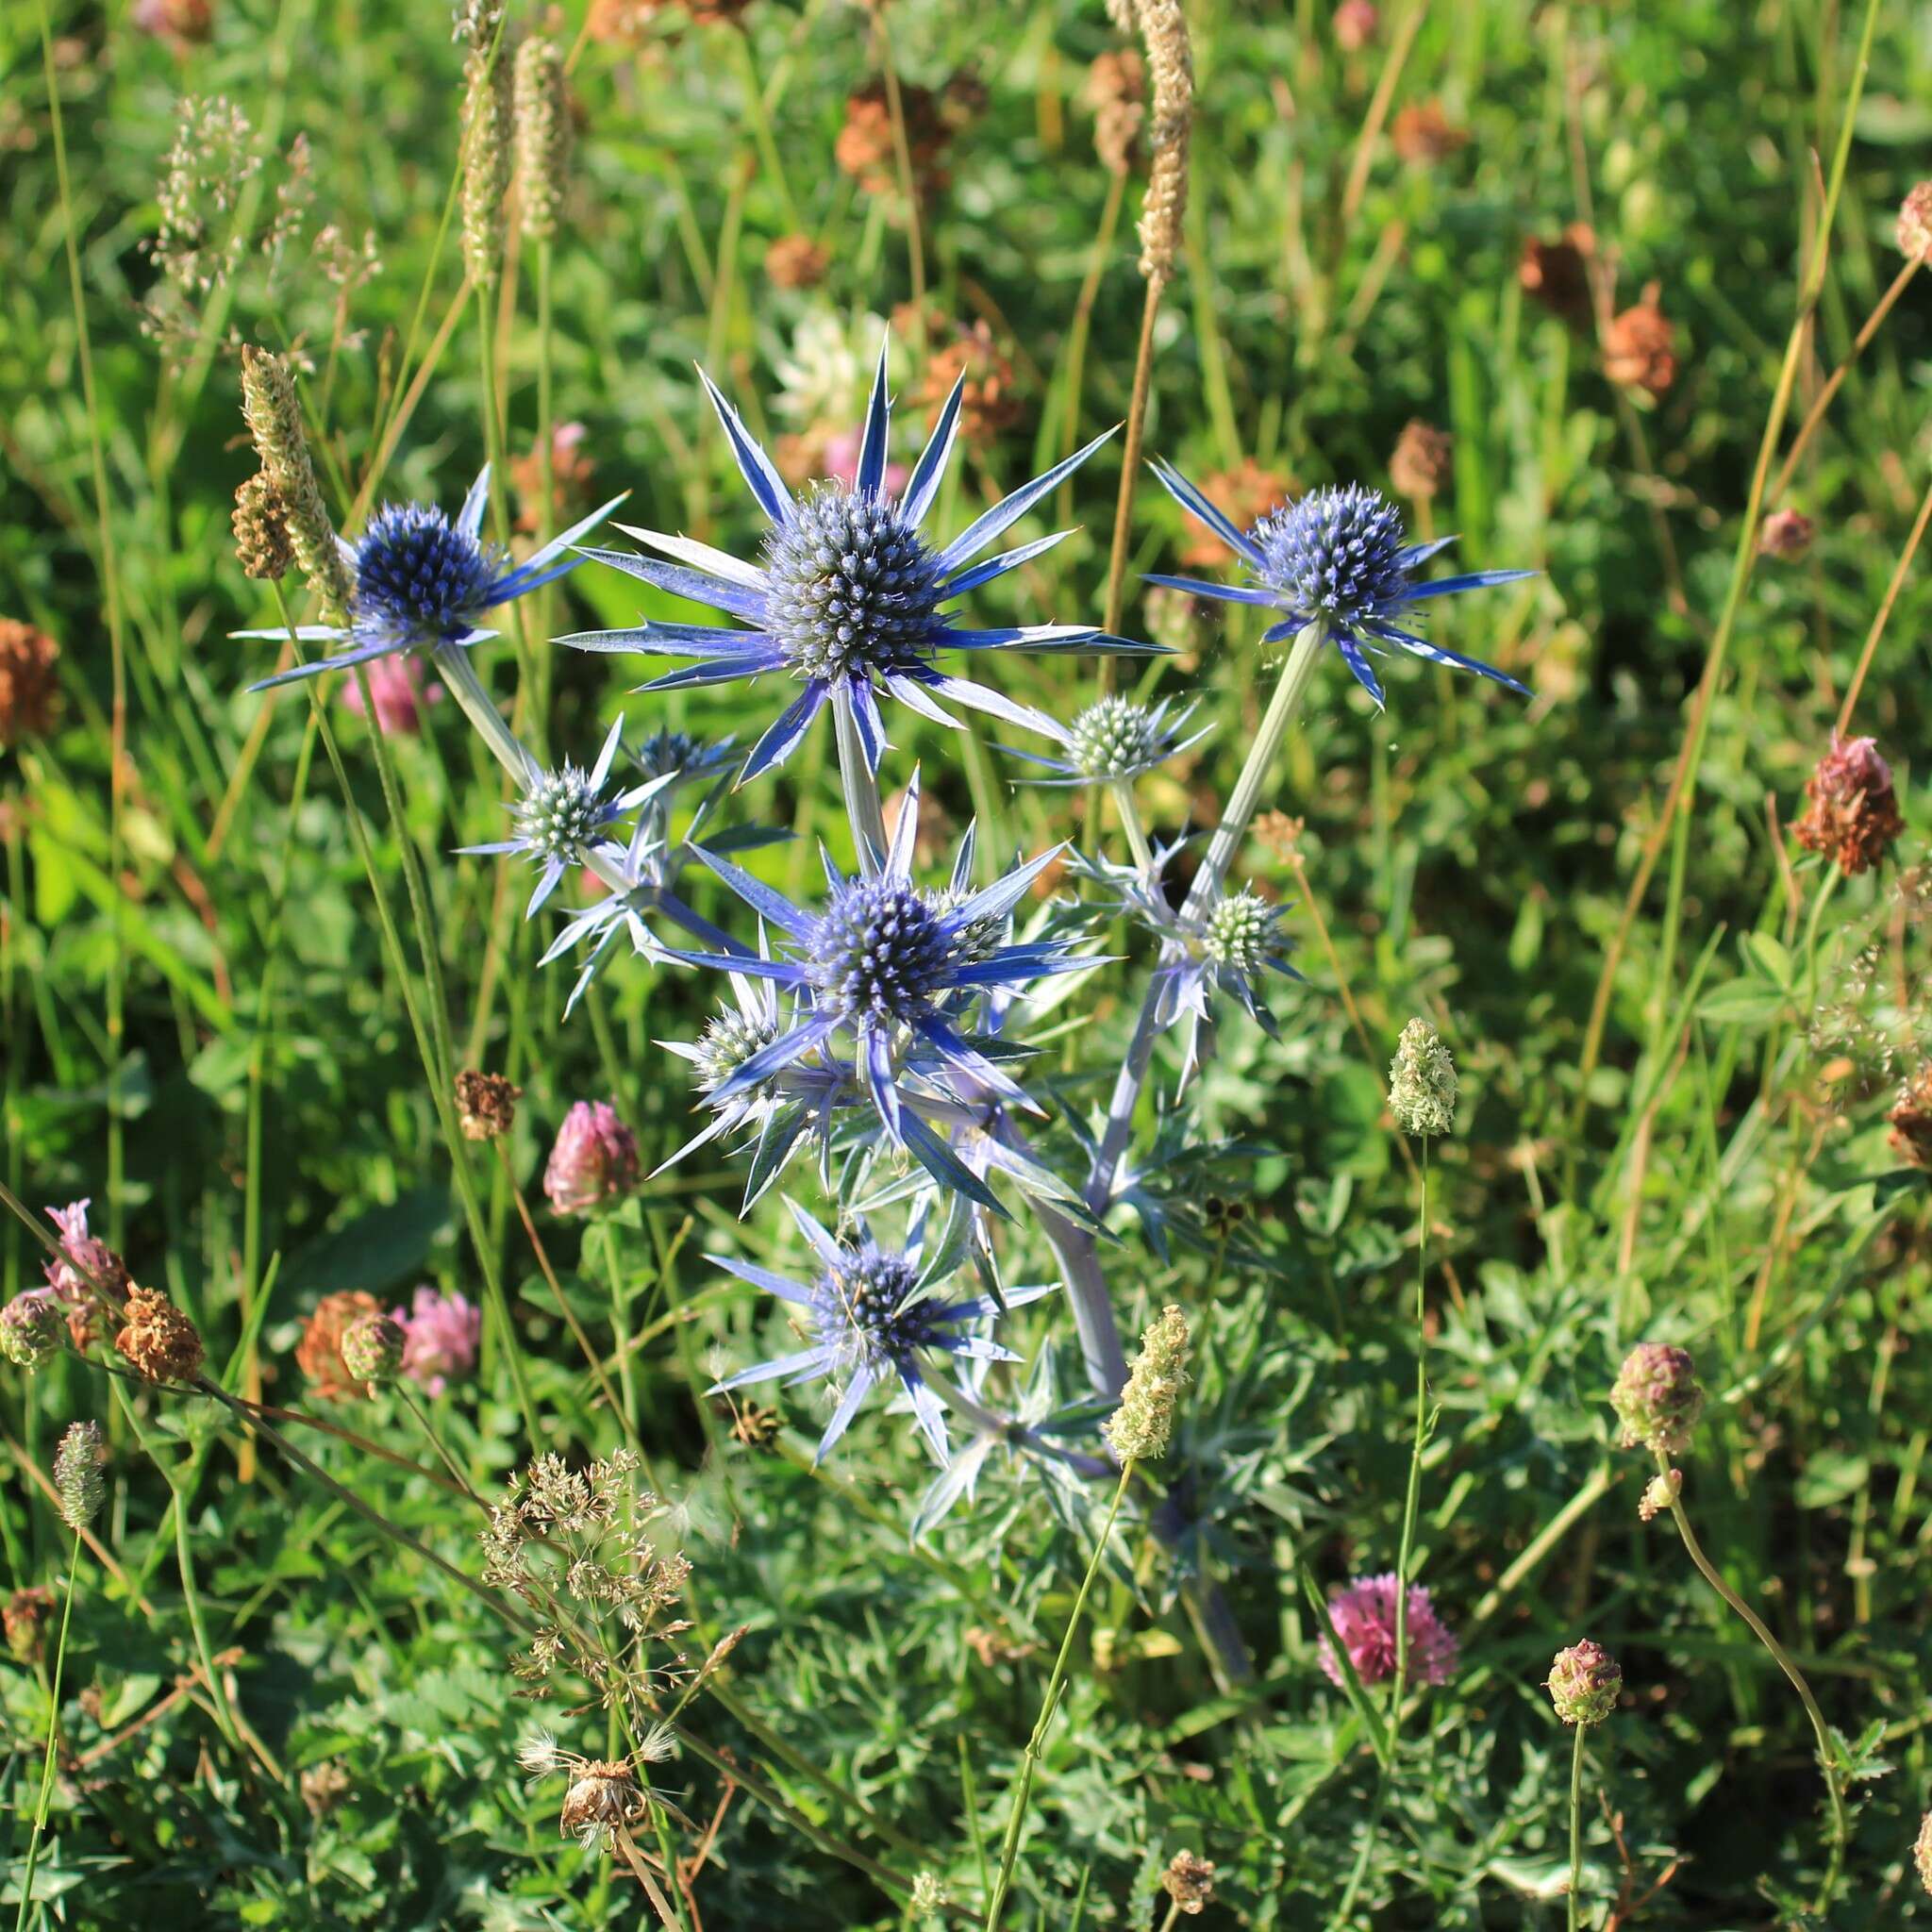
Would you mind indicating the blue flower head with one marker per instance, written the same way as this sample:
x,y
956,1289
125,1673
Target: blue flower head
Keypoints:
x,y
1335,557
423,583
846,600
891,964
872,1315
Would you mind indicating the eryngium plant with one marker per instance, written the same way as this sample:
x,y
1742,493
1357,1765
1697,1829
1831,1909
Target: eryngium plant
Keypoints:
x,y
881,1023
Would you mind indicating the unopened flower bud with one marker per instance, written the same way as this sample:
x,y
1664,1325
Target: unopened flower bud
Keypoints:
x,y
373,1348
79,1478
1422,1082
1584,1682
1139,1428
32,1327
1785,534
1658,1399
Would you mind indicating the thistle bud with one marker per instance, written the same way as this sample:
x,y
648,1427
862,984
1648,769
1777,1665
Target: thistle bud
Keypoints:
x,y
1852,811
594,1160
1422,1082
32,1327
275,421
1138,1430
486,1105
1658,1399
79,1480
1915,222
543,136
262,537
486,164
156,1338
373,1348
1584,1682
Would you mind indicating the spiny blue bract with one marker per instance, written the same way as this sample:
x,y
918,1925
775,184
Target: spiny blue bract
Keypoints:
x,y
846,600
1334,557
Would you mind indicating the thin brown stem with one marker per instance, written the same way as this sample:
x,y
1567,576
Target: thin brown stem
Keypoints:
x,y
1130,464
1879,622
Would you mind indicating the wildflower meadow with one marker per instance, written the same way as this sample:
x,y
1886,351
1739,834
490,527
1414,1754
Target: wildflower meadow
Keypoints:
x,y
965,966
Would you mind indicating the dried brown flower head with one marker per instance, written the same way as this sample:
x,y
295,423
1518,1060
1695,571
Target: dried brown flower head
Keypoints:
x,y
1424,134
867,151
796,262
1279,835
964,99
1247,493
1852,814
1420,465
25,1617
755,1427
1785,534
156,1338
30,691
1640,347
1556,274
988,403
1912,1120
319,1354
325,1786
486,1105
1189,1880
571,472
1115,88
1915,221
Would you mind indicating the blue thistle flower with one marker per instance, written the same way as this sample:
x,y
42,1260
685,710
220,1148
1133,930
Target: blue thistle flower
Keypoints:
x,y
847,598
1113,741
873,1315
1335,556
891,964
423,583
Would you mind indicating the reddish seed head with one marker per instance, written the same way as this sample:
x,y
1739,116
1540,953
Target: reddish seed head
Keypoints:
x,y
1657,1398
1583,1683
1852,814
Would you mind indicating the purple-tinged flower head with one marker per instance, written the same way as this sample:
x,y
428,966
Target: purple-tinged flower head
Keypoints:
x,y
32,1327
441,1333
1658,1399
891,964
401,689
594,1160
1114,740
872,1313
425,582
848,599
85,1269
1335,557
1364,1619
1584,1683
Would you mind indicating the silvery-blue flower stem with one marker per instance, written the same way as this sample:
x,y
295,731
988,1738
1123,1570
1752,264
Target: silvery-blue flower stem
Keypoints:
x,y
860,784
1094,1310
460,680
